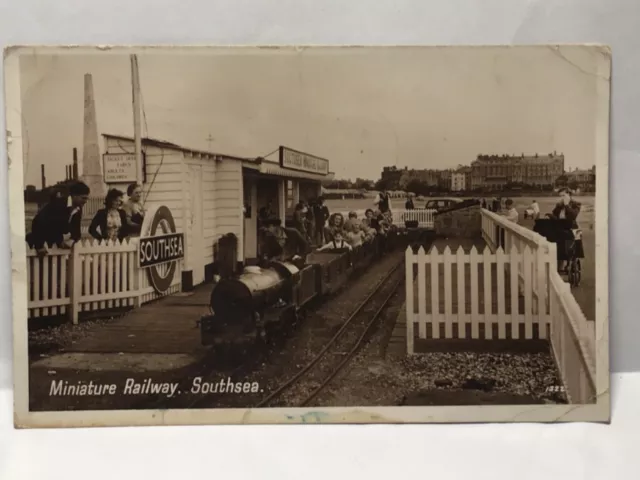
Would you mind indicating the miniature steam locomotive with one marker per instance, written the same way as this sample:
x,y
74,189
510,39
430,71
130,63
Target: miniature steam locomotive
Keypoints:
x,y
260,301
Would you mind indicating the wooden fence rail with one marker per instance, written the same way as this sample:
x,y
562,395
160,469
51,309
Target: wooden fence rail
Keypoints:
x,y
459,294
423,217
93,275
510,290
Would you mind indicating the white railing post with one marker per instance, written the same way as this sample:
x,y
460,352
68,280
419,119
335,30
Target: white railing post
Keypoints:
x,y
74,273
408,263
136,273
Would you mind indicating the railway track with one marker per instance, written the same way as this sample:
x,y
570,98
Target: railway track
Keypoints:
x,y
328,362
317,375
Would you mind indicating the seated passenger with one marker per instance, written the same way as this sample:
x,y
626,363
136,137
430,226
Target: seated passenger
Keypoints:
x,y
336,224
369,224
381,223
350,224
300,219
337,243
282,244
355,238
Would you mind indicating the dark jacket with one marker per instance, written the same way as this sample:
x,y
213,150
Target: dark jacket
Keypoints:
x,y
321,214
284,245
571,212
49,225
98,227
300,221
383,206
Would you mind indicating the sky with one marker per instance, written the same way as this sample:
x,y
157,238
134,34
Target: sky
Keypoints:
x,y
360,108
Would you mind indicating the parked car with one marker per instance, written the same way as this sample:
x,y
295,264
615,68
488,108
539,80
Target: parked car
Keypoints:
x,y
439,204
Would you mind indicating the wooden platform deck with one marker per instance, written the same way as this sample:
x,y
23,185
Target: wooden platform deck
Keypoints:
x,y
165,326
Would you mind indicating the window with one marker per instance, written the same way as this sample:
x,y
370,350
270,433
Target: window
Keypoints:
x,y
289,200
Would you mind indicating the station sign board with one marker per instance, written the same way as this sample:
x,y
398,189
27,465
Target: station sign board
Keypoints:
x,y
303,162
120,167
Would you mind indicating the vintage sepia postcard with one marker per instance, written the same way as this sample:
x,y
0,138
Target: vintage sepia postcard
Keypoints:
x,y
210,235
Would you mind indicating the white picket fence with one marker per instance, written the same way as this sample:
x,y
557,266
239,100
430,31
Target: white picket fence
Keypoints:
x,y
423,217
572,342
93,275
485,297
497,231
525,268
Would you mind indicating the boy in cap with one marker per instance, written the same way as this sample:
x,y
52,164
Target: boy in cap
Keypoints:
x,y
79,195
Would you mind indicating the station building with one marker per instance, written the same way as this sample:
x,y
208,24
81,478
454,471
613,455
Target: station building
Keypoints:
x,y
211,195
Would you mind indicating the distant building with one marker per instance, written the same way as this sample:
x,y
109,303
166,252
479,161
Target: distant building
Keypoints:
x,y
497,171
392,175
458,182
461,179
444,179
581,177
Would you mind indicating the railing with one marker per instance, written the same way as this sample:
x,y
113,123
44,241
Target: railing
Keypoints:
x,y
572,343
521,294
91,276
481,304
498,232
424,217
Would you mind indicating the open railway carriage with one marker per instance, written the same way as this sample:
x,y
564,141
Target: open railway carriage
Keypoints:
x,y
249,306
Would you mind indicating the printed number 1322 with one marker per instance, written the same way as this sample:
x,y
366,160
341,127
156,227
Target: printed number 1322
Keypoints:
x,y
555,388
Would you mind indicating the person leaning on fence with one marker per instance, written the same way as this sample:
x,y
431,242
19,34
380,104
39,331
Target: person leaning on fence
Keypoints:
x,y
79,193
134,209
110,223
50,224
510,212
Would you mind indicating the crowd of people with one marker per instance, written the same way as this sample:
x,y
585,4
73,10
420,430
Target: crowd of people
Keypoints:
x,y
59,222
563,233
314,227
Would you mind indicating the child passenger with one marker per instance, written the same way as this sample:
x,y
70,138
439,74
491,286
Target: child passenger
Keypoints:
x,y
337,243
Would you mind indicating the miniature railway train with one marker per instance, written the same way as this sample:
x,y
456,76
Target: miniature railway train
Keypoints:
x,y
253,305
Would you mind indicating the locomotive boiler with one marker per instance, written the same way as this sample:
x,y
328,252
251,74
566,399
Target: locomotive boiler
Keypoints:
x,y
261,301
243,307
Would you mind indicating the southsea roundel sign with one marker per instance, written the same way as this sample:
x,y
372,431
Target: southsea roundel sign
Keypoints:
x,y
161,249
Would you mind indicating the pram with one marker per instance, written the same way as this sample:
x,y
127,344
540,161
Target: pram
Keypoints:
x,y
569,245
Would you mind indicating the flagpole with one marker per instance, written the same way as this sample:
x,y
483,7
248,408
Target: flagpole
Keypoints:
x,y
137,122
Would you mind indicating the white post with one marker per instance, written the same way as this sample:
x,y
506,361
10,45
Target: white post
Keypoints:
x,y
75,282
137,125
408,265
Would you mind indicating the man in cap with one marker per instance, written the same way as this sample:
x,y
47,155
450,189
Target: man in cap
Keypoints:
x,y
79,195
49,225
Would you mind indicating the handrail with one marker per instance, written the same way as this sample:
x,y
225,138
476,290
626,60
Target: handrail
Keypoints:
x,y
532,237
578,322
